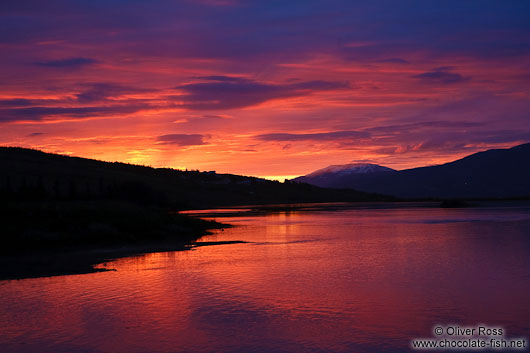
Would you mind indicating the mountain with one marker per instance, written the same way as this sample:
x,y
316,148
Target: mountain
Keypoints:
x,y
331,175
498,173
35,176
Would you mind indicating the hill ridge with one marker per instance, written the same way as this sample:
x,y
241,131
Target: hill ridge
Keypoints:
x,y
495,173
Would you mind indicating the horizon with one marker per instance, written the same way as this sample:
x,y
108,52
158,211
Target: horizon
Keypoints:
x,y
270,90
273,178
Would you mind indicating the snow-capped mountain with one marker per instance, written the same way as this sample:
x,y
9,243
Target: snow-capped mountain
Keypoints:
x,y
352,168
328,177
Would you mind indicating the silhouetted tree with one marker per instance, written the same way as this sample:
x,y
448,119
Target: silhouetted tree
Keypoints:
x,y
72,192
57,189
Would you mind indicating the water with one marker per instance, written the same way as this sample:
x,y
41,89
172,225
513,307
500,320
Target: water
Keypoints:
x,y
353,280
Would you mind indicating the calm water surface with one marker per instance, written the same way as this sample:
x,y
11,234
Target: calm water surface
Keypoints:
x,y
355,280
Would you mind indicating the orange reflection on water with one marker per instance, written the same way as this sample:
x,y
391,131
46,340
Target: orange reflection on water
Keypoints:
x,y
355,280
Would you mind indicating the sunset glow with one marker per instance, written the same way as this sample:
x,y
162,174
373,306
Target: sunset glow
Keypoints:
x,y
271,89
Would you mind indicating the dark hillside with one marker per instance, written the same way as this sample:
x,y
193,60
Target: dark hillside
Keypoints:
x,y
32,175
492,174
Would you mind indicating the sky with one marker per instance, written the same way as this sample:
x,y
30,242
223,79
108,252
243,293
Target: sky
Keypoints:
x,y
266,88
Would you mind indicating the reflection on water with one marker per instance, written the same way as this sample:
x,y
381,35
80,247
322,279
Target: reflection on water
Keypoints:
x,y
359,280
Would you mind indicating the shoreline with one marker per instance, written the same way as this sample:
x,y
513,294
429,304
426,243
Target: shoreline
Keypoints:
x,y
77,262
62,238
255,210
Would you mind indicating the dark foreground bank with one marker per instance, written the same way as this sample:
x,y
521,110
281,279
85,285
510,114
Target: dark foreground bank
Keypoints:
x,y
70,237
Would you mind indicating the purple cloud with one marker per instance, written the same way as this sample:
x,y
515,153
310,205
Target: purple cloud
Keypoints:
x,y
441,75
322,136
35,134
16,102
411,127
221,78
394,61
41,113
102,91
224,92
69,63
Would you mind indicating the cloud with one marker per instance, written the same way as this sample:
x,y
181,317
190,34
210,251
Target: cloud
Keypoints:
x,y
94,101
181,139
222,78
429,125
225,92
204,122
42,113
69,63
394,61
323,136
16,102
35,134
441,75
448,141
102,91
